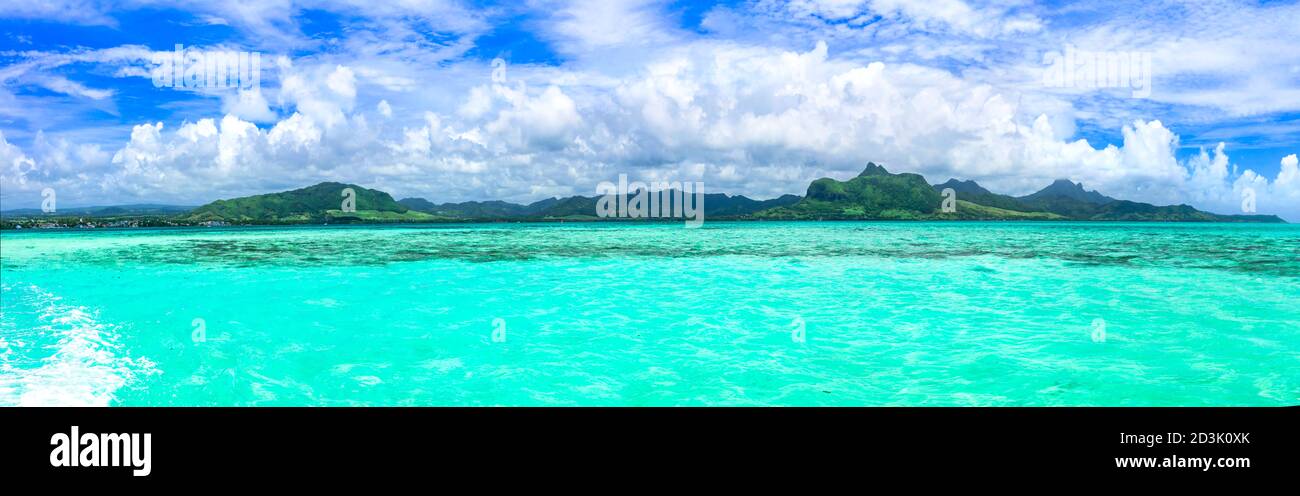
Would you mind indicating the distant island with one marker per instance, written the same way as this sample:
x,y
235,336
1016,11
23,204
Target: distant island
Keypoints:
x,y
875,194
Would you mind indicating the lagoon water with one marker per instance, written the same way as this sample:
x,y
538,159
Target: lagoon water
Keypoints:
x,y
758,313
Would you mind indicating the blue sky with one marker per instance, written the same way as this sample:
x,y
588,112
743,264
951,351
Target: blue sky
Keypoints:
x,y
754,97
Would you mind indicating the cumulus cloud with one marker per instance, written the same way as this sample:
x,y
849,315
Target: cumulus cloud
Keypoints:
x,y
247,104
1215,183
15,165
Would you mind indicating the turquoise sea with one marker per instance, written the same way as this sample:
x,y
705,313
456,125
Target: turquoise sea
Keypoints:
x,y
756,313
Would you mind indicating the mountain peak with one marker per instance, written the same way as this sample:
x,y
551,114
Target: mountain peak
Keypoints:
x,y
331,184
963,187
874,170
1072,190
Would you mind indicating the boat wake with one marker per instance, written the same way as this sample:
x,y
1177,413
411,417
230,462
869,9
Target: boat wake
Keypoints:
x,y
55,354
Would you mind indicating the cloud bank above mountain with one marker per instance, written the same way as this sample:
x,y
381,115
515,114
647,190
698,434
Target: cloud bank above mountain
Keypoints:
x,y
759,98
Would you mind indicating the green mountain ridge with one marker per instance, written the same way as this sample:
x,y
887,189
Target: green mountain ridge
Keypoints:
x,y
877,194
314,204
715,205
972,192
874,194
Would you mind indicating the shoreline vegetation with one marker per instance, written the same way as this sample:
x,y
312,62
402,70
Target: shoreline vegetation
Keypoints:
x,y
875,194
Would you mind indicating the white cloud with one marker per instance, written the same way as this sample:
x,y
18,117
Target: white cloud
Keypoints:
x,y
326,104
1216,184
1288,177
1211,61
578,27
15,165
86,12
955,17
67,87
988,20
247,104
829,9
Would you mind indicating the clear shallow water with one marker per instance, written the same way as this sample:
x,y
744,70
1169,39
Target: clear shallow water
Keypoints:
x,y
615,314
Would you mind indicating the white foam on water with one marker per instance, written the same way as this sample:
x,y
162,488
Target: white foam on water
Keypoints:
x,y
83,368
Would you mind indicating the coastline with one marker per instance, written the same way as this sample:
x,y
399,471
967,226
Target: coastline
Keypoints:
x,y
660,221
